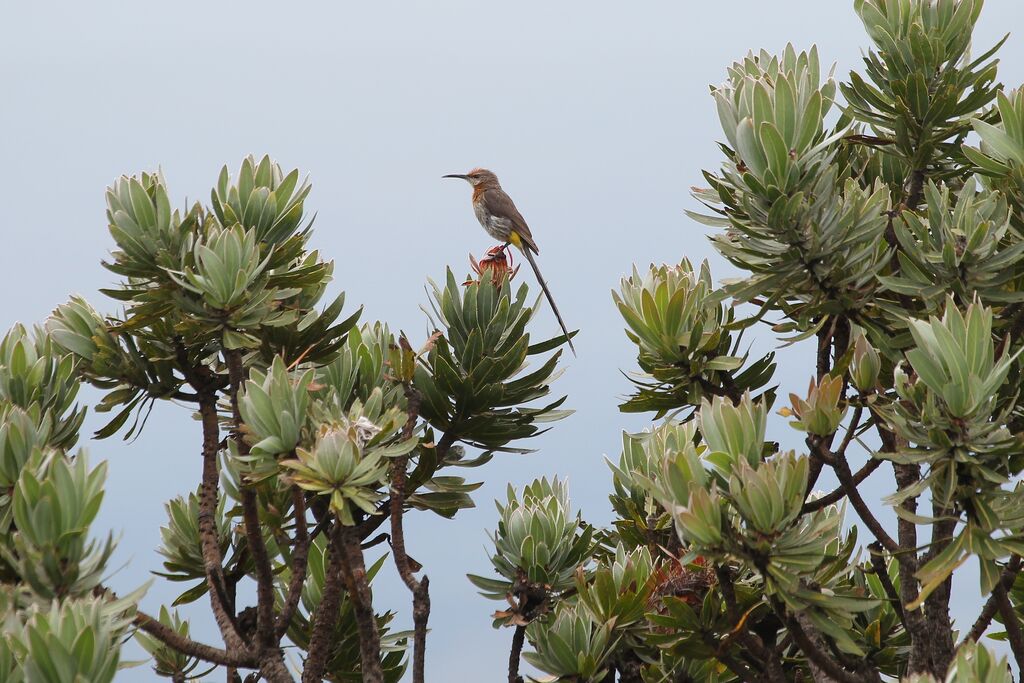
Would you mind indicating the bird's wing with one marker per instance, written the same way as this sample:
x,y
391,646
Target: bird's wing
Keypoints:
x,y
500,205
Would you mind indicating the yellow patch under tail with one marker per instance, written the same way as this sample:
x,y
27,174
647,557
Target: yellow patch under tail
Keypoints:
x,y
515,239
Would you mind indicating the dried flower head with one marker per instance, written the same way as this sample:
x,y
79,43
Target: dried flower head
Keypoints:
x,y
495,265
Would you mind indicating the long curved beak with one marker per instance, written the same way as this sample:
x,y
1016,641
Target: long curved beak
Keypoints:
x,y
456,175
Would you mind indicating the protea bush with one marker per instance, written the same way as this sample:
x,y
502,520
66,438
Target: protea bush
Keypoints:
x,y
875,219
314,433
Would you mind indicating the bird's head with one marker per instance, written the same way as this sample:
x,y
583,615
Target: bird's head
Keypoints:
x,y
476,177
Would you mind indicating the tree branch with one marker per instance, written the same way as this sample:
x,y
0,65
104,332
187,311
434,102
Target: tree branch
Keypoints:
x,y
419,588
815,655
265,626
223,610
984,619
1011,622
299,563
374,521
354,570
326,617
882,572
181,643
518,638
851,429
264,574
839,493
821,366
936,605
271,660
845,476
863,473
906,532
916,189
185,645
272,666
823,363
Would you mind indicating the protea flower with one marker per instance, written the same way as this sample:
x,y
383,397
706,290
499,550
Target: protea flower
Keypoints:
x,y
496,264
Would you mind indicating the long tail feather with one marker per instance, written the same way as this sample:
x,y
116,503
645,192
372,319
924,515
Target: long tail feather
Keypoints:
x,y
547,293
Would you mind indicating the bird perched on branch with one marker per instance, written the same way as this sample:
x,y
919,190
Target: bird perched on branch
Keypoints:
x,y
501,219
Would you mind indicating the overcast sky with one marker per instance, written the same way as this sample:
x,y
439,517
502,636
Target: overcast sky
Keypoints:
x,y
595,115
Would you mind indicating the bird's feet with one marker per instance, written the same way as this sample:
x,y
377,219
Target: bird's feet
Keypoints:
x,y
501,251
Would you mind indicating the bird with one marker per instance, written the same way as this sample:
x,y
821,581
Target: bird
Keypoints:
x,y
501,219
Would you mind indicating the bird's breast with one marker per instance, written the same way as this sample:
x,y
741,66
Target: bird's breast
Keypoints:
x,y
498,228
482,214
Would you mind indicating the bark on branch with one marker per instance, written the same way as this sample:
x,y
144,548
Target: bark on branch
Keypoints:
x,y
264,574
374,521
984,619
185,645
420,587
326,617
1012,623
882,572
906,533
818,658
354,569
839,493
299,563
222,607
518,638
268,642
849,485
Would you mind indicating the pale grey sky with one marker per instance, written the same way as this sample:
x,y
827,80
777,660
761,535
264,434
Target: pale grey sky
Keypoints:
x,y
595,115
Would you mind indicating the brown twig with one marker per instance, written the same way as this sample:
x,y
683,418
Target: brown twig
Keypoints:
x,y
264,573
882,572
181,643
518,638
1012,623
250,515
326,617
354,571
223,610
936,605
916,189
823,362
862,474
984,619
299,563
839,493
819,658
906,533
374,521
845,476
185,645
419,588
851,429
